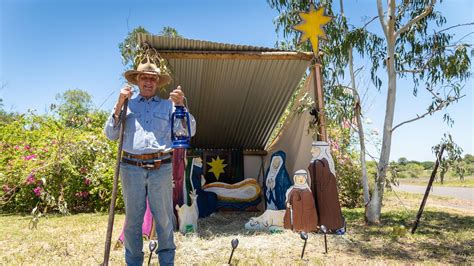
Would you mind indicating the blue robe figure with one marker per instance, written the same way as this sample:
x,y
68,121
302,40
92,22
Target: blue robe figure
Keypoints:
x,y
276,183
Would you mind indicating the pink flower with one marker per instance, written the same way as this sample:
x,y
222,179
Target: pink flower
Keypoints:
x,y
29,157
5,188
30,179
82,194
37,191
27,147
87,181
16,147
346,124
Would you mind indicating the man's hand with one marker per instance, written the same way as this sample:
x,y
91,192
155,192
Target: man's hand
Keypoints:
x,y
177,96
125,93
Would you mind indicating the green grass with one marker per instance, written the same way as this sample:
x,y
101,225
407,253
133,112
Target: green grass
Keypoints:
x,y
444,236
448,182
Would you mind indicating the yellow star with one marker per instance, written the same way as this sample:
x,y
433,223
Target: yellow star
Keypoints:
x,y
217,167
311,26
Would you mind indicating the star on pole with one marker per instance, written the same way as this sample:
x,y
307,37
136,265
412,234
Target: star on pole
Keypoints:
x,y
217,167
311,26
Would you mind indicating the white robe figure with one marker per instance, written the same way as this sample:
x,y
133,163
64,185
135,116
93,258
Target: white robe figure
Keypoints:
x,y
188,215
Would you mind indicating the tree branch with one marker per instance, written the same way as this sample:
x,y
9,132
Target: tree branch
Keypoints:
x,y
370,21
455,26
382,21
438,108
413,70
425,13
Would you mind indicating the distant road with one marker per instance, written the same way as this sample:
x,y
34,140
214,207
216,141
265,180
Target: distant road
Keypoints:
x,y
455,192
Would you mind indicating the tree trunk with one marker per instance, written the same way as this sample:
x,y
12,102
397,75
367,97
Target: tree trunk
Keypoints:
x,y
374,207
360,130
442,174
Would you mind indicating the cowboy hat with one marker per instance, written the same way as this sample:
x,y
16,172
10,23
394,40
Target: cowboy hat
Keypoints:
x,y
148,68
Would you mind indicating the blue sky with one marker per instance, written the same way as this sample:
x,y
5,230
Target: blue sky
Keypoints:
x,y
50,46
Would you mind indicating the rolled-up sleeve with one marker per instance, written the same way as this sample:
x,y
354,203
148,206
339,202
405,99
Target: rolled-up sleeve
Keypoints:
x,y
112,129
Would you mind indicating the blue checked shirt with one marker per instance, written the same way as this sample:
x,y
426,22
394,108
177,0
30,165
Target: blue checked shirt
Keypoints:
x,y
148,126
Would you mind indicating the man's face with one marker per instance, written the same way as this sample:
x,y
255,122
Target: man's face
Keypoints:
x,y
147,84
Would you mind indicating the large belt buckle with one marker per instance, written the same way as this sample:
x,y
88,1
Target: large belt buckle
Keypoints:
x,y
149,166
146,165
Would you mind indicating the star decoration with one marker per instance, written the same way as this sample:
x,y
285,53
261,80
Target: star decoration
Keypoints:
x,y
217,167
311,26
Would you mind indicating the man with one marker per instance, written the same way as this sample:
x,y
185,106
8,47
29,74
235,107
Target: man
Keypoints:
x,y
146,160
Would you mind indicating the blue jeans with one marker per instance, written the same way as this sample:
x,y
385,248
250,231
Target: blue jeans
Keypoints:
x,y
137,184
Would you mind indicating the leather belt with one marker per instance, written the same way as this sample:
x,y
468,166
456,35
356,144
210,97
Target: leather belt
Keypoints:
x,y
150,165
149,156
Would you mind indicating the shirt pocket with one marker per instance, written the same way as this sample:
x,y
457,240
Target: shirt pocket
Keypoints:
x,y
161,122
132,123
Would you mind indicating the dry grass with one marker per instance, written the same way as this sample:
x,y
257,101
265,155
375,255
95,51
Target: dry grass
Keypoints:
x,y
445,236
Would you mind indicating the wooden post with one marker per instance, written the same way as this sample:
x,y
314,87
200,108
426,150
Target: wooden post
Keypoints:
x,y
428,188
319,100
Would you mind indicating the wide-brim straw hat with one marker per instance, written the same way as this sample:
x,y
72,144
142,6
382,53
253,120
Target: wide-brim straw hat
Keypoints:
x,y
148,68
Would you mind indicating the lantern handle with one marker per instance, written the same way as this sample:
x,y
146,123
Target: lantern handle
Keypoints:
x,y
186,104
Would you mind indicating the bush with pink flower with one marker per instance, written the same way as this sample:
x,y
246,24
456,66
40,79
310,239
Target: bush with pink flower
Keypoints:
x,y
51,164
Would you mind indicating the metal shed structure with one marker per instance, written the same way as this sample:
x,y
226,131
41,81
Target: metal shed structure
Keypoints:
x,y
237,93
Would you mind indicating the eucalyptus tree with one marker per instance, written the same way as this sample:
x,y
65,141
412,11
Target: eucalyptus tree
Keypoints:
x,y
451,159
409,49
429,55
343,102
130,45
170,32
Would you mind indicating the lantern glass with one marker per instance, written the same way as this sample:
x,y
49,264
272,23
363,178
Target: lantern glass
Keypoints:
x,y
180,130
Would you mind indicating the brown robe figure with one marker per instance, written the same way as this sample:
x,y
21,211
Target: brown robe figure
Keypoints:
x,y
324,187
300,212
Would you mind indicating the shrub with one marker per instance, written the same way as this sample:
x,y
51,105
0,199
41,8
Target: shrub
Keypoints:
x,y
48,164
348,170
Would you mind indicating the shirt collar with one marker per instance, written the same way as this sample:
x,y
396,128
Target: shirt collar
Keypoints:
x,y
143,99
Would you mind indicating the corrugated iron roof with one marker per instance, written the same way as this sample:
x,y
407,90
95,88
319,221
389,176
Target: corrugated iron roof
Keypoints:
x,y
236,100
182,44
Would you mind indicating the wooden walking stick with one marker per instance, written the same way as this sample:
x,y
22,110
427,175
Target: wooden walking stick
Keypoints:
x,y
110,225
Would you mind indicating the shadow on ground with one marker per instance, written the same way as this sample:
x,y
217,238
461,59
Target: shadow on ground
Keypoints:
x,y
441,236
